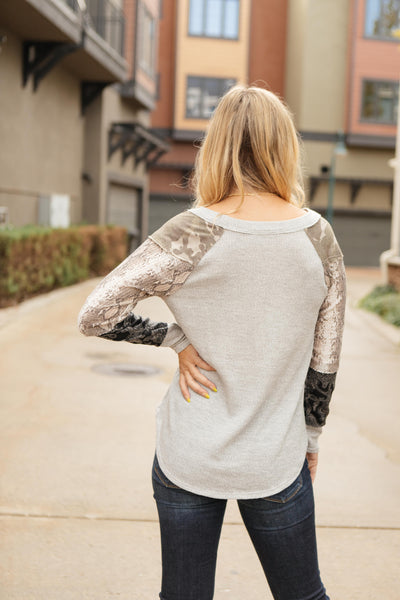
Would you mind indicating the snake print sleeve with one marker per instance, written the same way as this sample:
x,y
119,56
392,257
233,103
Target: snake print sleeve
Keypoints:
x,y
321,375
108,311
159,267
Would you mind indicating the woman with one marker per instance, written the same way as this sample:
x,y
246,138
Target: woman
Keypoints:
x,y
256,284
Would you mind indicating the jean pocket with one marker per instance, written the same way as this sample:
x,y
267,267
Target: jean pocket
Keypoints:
x,y
160,476
288,493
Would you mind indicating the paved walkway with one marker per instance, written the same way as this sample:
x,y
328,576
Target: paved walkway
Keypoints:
x,y
77,517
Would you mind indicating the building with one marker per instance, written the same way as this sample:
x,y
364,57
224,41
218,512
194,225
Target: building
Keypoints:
x,y
119,143
342,75
205,47
337,65
78,81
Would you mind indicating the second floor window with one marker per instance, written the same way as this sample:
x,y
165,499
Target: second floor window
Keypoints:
x,y
214,18
147,40
382,18
379,101
202,95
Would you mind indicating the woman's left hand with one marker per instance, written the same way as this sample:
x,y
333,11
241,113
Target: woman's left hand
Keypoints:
x,y
312,459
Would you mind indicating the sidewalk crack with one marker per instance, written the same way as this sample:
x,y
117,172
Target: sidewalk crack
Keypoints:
x,y
90,517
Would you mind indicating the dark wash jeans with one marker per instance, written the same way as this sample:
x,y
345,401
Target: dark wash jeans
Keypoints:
x,y
281,528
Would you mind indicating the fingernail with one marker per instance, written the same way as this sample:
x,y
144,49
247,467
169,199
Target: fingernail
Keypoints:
x,y
215,389
187,399
206,396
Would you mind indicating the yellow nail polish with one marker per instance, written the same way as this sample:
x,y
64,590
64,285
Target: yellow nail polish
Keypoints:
x,y
206,396
215,389
187,399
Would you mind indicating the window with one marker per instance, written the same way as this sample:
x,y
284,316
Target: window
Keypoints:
x,y
202,95
147,40
214,18
382,18
379,101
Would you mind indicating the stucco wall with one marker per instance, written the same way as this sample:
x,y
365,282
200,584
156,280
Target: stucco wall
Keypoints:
x,y
297,10
110,108
317,63
319,83
41,137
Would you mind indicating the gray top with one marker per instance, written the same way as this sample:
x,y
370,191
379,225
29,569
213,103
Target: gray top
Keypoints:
x,y
261,301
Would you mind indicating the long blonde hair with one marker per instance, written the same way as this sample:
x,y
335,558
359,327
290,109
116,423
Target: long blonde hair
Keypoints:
x,y
251,143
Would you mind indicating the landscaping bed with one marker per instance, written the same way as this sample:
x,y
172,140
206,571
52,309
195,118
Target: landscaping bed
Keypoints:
x,y
383,300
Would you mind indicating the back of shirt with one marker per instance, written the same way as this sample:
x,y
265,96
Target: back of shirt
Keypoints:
x,y
263,302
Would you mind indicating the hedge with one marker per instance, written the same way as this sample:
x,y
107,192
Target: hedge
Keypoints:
x,y
34,260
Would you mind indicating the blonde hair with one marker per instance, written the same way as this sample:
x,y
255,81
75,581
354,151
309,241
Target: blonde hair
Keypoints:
x,y
251,142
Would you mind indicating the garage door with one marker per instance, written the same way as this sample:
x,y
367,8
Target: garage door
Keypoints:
x,y
362,237
124,205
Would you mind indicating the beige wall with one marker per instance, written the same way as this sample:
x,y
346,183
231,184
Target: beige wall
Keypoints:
x,y
107,109
207,57
41,137
325,66
372,197
116,108
297,11
358,162
316,90
317,63
93,150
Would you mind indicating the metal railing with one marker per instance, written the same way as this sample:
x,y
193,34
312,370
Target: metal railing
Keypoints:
x,y
108,21
106,18
72,4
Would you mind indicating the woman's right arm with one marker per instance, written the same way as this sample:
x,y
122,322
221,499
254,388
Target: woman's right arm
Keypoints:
x,y
159,267
108,310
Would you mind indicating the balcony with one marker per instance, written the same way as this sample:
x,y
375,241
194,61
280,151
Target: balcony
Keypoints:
x,y
106,18
95,28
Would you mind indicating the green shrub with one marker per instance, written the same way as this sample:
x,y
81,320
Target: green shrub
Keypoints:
x,y
34,259
385,301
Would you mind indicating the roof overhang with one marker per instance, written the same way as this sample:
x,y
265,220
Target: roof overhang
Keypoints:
x,y
53,21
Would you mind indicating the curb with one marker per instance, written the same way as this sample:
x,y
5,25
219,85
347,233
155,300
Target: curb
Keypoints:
x,y
360,282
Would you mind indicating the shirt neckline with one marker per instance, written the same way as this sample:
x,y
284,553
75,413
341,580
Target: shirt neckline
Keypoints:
x,y
228,222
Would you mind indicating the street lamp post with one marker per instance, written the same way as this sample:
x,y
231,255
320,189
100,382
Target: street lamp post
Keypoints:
x,y
338,150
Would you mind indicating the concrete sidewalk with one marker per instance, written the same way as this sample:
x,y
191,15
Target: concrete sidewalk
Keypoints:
x,y
77,517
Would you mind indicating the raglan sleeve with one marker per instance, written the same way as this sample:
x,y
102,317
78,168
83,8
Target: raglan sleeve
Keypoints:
x,y
108,312
324,364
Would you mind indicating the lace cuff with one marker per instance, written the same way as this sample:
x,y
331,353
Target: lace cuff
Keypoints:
x,y
318,390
